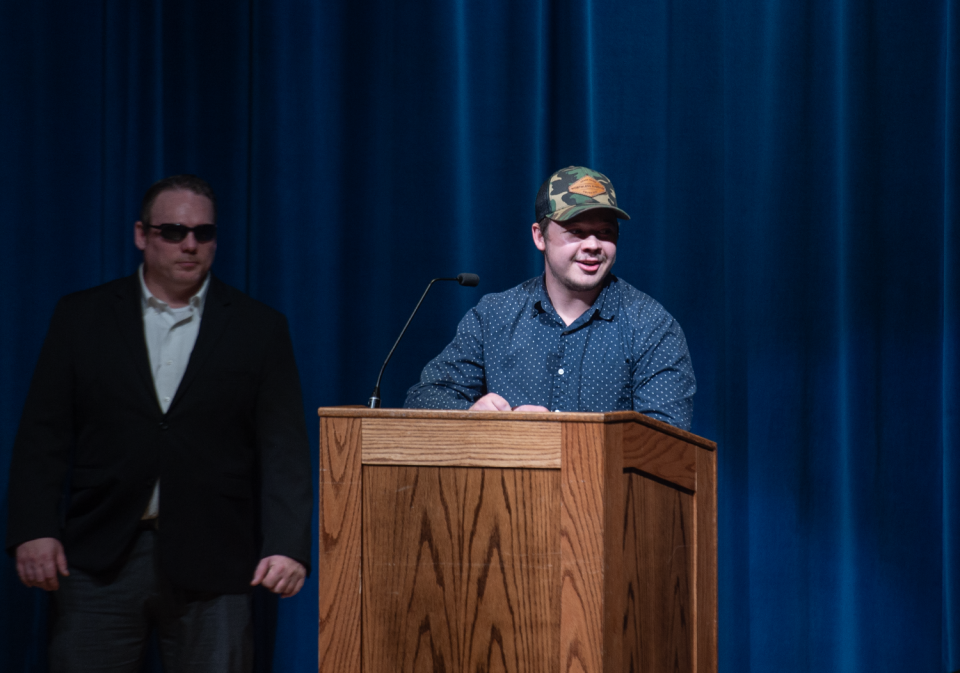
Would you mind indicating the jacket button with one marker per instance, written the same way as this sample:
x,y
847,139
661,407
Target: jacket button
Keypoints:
x,y
163,425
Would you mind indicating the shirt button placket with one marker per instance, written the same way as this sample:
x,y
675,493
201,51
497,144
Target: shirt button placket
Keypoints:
x,y
558,380
561,397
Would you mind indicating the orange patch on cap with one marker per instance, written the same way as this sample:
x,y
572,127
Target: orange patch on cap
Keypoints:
x,y
586,186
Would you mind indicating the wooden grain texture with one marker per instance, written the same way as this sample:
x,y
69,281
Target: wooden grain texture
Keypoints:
x,y
464,443
461,569
613,571
582,519
663,456
441,616
661,427
660,560
338,563
707,600
521,417
464,415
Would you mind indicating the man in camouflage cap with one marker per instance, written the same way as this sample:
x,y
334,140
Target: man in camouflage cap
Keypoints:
x,y
576,338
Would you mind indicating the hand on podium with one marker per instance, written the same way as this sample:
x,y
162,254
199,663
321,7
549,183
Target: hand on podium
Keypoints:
x,y
494,402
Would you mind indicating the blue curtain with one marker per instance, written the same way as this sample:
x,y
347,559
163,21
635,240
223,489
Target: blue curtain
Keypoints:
x,y
792,169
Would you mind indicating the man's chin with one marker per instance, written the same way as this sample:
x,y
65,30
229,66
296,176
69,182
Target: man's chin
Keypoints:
x,y
190,270
584,284
188,279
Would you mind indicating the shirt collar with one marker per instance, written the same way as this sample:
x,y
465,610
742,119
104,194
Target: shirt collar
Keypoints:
x,y
605,307
608,302
147,298
541,301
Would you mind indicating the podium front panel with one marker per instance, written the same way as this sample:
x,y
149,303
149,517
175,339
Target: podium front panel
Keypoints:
x,y
460,569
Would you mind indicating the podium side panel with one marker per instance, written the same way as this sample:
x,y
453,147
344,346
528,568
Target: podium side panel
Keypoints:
x,y
707,602
658,454
461,570
659,564
338,564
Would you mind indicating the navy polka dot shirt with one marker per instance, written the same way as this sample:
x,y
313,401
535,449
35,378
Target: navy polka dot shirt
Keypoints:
x,y
625,352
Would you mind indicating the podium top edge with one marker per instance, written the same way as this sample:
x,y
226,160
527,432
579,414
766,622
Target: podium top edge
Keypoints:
x,y
359,411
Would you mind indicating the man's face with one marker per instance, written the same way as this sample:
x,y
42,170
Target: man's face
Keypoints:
x,y
579,253
176,268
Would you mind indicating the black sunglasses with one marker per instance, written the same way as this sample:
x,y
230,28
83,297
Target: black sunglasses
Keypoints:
x,y
204,233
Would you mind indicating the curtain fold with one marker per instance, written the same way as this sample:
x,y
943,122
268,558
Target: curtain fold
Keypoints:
x,y
791,169
950,383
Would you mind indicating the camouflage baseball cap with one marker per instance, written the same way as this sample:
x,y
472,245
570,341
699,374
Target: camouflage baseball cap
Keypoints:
x,y
575,190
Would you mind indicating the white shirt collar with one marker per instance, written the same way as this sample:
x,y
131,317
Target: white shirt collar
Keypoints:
x,y
147,298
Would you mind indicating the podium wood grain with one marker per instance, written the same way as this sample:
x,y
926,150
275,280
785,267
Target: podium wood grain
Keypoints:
x,y
391,441
705,598
590,636
338,641
515,542
663,456
460,569
659,620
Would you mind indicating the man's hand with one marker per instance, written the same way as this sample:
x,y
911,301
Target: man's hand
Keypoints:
x,y
493,402
530,407
38,562
280,574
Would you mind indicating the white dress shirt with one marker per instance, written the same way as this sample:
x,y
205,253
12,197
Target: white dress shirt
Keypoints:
x,y
170,334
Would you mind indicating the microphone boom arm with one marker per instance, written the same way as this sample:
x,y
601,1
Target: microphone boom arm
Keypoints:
x,y
467,279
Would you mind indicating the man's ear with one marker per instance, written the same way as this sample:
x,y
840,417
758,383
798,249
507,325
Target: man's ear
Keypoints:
x,y
539,239
139,235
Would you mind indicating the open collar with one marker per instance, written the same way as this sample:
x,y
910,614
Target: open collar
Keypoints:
x,y
605,307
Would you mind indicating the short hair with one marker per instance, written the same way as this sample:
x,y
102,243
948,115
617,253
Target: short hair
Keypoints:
x,y
190,183
543,225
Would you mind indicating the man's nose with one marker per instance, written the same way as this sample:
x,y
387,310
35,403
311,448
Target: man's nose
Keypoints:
x,y
590,242
189,242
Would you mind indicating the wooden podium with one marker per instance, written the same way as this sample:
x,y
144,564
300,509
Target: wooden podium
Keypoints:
x,y
461,542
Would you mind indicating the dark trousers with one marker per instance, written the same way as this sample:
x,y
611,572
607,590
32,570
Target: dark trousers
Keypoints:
x,y
105,625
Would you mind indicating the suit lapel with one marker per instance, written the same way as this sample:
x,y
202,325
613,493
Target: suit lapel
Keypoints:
x,y
213,322
128,311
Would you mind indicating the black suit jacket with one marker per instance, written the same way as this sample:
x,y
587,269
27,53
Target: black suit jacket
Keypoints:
x,y
231,452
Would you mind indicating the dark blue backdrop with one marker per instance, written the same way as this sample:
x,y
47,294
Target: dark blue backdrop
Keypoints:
x,y
791,167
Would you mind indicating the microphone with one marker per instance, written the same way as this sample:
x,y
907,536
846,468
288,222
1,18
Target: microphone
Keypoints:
x,y
465,279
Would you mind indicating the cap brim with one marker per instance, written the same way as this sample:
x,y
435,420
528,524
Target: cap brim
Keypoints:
x,y
571,212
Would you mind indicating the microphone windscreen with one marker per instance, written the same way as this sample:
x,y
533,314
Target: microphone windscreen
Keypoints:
x,y
468,279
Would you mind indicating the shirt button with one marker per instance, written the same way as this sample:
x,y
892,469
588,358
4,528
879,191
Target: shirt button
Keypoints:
x,y
166,399
560,371
163,425
169,362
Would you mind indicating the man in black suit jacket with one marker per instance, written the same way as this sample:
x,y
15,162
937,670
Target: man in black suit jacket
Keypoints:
x,y
185,487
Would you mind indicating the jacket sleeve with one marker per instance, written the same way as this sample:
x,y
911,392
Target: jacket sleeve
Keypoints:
x,y
41,450
286,491
455,378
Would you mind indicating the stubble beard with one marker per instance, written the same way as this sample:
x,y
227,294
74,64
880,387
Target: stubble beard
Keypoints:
x,y
581,286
